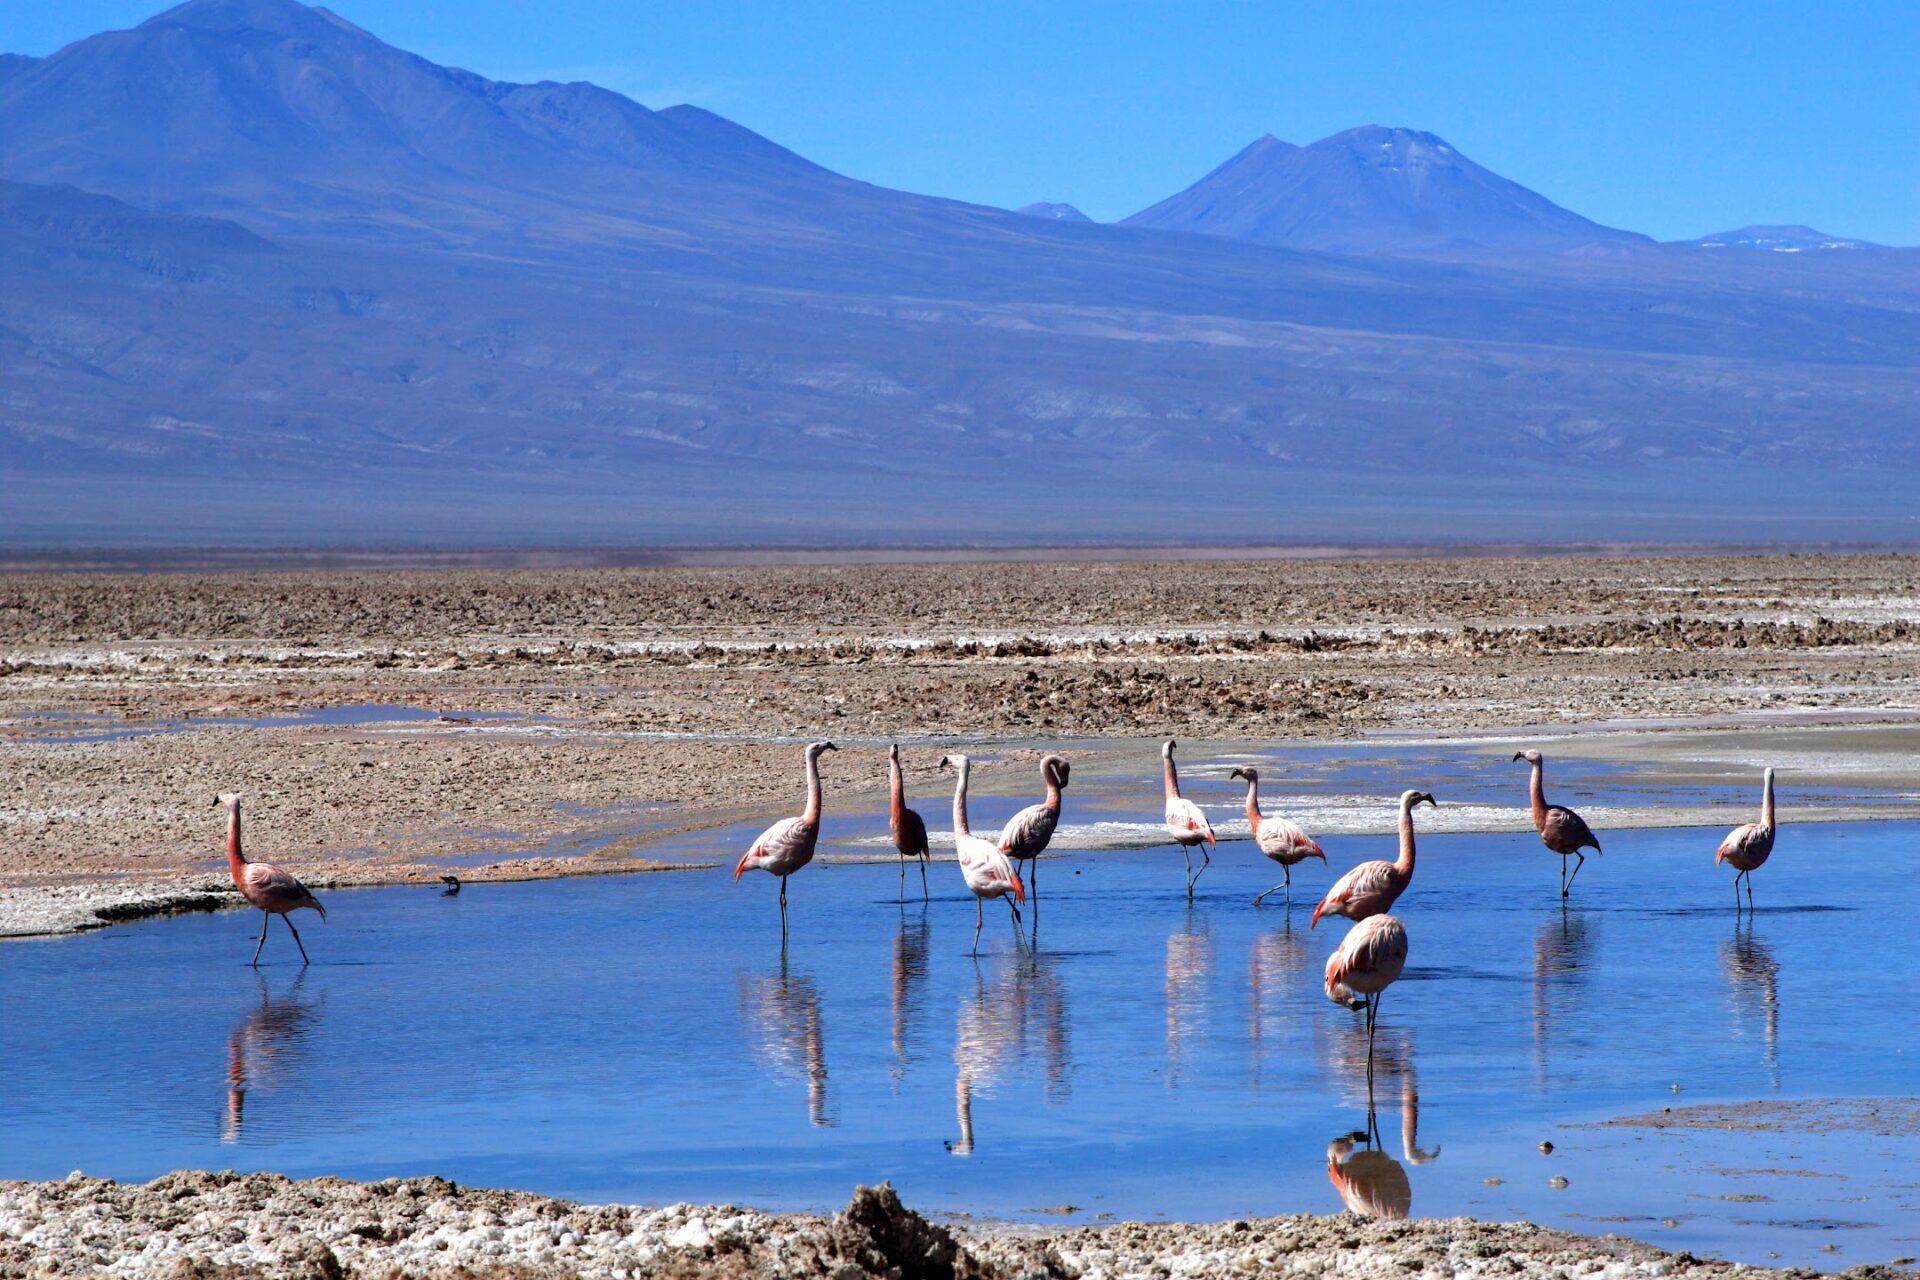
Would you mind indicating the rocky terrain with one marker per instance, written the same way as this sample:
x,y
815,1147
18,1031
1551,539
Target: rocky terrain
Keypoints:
x,y
216,1226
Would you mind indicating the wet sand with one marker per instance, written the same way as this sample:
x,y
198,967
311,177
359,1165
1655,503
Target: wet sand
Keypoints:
x,y
220,1225
585,714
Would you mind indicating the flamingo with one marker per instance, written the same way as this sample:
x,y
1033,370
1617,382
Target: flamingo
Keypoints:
x,y
989,873
1185,823
909,829
1029,832
1372,888
267,887
1279,839
1561,829
787,845
1747,847
1367,963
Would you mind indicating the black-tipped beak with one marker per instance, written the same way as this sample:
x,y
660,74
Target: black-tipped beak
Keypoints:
x,y
829,747
216,802
1430,800
1519,755
1237,774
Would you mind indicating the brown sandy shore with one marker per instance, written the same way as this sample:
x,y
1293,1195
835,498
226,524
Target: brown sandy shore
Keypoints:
x,y
220,1225
586,714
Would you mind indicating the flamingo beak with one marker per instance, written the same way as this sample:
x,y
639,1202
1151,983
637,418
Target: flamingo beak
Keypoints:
x,y
1430,800
1519,755
1236,774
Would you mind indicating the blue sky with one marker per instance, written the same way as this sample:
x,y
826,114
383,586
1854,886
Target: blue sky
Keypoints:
x,y
1672,119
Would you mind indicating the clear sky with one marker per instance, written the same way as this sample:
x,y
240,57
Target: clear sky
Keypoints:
x,y
1675,119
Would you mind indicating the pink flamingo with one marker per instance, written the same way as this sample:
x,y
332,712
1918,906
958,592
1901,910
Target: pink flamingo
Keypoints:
x,y
1029,832
909,829
787,845
1185,823
1366,964
1372,888
988,872
1561,829
267,887
1279,839
1747,846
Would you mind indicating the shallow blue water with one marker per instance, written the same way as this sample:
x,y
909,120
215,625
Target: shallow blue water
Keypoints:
x,y
644,1038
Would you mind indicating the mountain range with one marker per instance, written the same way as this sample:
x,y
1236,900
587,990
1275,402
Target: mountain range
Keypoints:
x,y
269,277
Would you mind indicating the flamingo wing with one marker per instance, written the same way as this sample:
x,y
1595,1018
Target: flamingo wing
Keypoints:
x,y
989,872
1184,819
782,848
270,888
1565,831
1750,843
910,835
1029,832
1367,889
1283,841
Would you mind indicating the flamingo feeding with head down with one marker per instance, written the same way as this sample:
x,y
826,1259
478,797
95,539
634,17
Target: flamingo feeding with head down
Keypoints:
x,y
1279,839
1185,823
1029,832
1366,964
1747,846
909,829
788,844
1372,888
274,891
988,872
1561,829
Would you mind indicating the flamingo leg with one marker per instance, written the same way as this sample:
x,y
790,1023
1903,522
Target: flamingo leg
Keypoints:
x,y
923,879
1187,853
1580,861
1286,884
783,910
903,877
266,920
1736,893
979,919
288,920
1011,906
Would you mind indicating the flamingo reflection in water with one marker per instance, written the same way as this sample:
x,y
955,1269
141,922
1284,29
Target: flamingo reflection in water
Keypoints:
x,y
996,1024
1371,1182
1277,966
1754,976
909,976
1562,950
783,1012
1189,966
267,1039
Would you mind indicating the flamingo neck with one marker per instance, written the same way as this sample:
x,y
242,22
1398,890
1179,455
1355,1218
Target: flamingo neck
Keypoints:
x,y
1404,864
1172,777
1053,791
1537,794
898,784
1766,803
960,802
236,861
813,789
1253,803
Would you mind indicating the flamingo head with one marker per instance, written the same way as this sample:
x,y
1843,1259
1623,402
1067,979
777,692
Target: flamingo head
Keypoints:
x,y
1529,755
815,748
956,763
1167,749
893,753
1408,799
228,800
1055,769
1768,775
1251,775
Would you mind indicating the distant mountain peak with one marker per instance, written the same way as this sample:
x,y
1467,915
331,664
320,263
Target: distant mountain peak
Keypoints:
x,y
1794,238
275,17
1053,212
1375,188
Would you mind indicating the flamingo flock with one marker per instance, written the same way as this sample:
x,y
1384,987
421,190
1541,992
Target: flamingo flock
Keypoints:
x,y
1369,960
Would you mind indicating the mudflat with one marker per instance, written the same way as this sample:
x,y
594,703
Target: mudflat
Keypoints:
x,y
526,711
